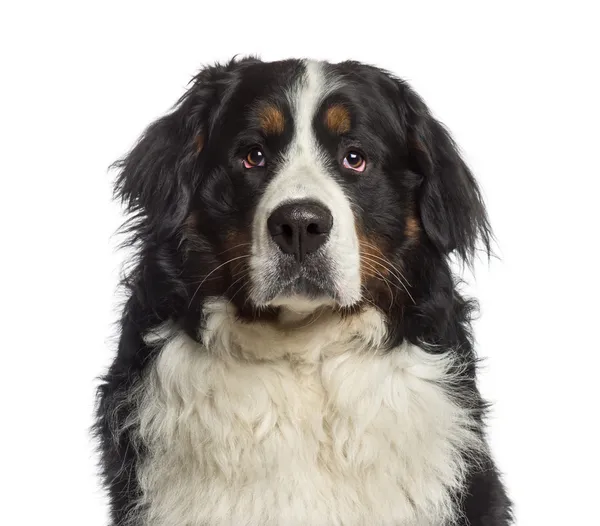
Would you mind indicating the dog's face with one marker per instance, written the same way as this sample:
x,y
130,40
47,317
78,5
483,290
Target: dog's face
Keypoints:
x,y
300,184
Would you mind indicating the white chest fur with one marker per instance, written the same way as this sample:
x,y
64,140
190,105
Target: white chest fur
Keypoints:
x,y
338,435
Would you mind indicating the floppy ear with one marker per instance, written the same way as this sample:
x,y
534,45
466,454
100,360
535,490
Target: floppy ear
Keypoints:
x,y
153,181
452,210
156,178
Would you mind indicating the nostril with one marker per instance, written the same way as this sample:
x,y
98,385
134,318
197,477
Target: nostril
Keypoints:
x,y
287,230
313,229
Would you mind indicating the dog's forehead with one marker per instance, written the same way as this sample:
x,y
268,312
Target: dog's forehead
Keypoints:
x,y
343,98
279,95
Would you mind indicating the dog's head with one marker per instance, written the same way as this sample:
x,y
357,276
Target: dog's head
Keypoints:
x,y
299,185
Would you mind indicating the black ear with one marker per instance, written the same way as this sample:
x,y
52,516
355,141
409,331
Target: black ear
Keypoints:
x,y
158,176
452,210
153,181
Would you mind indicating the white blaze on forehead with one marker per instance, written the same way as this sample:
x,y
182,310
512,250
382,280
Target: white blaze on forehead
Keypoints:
x,y
305,100
305,173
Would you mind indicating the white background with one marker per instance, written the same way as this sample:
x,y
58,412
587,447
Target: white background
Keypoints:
x,y
517,84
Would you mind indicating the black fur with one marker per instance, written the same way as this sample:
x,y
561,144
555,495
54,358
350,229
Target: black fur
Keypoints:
x,y
181,186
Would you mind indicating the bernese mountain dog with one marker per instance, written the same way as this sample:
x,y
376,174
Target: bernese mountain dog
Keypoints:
x,y
294,349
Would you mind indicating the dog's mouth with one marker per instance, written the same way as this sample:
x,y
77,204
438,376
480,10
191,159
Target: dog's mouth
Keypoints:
x,y
306,288
311,281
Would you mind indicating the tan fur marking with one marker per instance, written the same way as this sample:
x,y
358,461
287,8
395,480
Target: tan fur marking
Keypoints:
x,y
199,143
271,120
337,119
381,279
412,227
372,264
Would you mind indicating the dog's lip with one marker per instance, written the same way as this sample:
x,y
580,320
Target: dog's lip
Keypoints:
x,y
303,278
307,287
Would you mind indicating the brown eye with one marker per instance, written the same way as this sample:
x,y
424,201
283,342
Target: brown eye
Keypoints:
x,y
254,158
355,161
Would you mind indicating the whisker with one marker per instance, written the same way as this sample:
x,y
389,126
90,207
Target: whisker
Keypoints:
x,y
212,272
367,257
387,261
233,248
385,280
239,268
236,281
372,300
240,288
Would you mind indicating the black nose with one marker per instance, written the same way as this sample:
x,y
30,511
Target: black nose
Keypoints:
x,y
300,227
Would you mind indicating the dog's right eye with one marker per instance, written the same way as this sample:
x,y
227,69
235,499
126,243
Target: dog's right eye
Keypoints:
x,y
254,158
355,161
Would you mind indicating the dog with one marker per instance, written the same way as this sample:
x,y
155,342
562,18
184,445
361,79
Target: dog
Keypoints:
x,y
294,349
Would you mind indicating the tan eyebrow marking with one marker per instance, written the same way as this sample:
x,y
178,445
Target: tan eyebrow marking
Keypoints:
x,y
271,120
337,119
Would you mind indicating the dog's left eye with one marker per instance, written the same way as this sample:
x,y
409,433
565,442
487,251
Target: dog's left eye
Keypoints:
x,y
355,161
254,158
